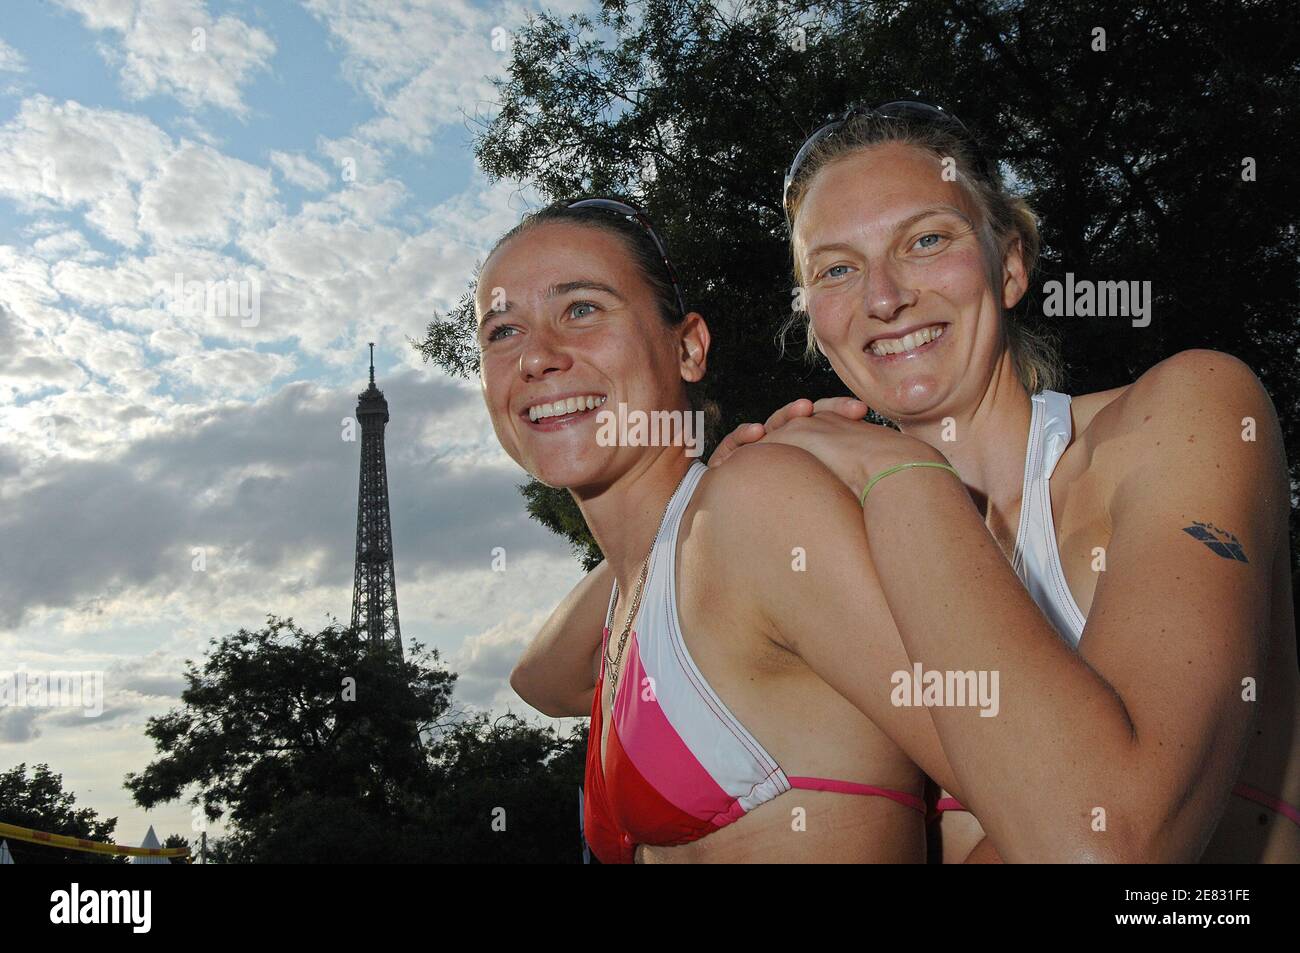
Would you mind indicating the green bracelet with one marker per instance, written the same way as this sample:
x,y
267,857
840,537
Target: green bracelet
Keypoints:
x,y
904,466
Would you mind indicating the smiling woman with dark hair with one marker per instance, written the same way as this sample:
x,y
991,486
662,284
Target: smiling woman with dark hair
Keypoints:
x,y
735,699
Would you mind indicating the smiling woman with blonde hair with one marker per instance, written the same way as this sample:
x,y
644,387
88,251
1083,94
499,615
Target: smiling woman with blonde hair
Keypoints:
x,y
1120,558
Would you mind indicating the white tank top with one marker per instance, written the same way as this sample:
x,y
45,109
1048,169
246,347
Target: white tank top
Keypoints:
x,y
1036,559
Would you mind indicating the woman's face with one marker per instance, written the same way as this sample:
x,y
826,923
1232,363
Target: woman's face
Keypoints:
x,y
565,314
896,283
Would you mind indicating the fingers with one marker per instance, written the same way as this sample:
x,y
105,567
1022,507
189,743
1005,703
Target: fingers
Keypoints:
x,y
849,407
803,407
745,433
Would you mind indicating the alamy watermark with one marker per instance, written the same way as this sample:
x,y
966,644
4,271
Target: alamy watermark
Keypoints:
x,y
27,689
655,428
950,689
227,298
1098,299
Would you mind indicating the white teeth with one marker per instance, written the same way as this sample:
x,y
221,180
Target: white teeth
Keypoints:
x,y
907,342
568,405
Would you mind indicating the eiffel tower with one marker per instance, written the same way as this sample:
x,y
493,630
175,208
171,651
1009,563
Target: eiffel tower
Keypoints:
x,y
374,589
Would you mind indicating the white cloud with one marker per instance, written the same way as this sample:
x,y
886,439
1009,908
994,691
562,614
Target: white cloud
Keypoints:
x,y
66,244
69,156
189,127
174,341
26,289
176,48
356,161
231,372
130,178
202,196
270,488
422,63
479,217
30,361
483,662
301,171
114,355
11,61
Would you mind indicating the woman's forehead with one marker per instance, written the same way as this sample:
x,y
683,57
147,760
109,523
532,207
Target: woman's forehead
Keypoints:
x,y
875,188
543,255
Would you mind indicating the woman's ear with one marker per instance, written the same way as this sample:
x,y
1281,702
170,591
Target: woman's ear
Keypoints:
x,y
1015,281
694,347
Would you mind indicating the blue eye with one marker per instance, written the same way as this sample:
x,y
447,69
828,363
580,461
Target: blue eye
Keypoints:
x,y
582,304
922,240
831,272
498,331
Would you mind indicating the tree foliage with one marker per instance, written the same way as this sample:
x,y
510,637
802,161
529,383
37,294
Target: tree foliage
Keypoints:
x,y
1132,156
317,749
39,802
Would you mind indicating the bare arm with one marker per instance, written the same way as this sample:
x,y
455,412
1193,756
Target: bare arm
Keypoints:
x,y
960,835
557,672
983,853
782,510
1126,750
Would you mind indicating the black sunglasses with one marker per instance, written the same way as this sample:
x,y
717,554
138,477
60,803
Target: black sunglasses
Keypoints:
x,y
640,217
898,109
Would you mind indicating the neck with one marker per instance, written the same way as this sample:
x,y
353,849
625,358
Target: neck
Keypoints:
x,y
988,440
624,515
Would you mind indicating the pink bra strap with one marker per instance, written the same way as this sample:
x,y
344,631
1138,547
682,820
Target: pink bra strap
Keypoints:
x,y
1277,804
852,787
1241,790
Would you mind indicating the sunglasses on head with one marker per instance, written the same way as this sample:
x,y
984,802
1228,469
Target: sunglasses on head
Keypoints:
x,y
897,109
640,217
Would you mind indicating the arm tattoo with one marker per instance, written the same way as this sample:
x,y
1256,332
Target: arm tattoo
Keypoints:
x,y
1220,541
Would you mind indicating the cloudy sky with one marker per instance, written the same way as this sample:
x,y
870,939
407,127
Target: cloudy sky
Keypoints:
x,y
313,157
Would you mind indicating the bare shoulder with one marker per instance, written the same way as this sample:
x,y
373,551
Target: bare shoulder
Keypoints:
x,y
772,485
1198,388
749,515
1199,414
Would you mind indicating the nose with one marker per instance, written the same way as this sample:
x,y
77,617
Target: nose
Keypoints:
x,y
884,297
542,356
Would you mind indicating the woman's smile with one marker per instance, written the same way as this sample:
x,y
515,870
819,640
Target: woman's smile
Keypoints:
x,y
905,346
562,412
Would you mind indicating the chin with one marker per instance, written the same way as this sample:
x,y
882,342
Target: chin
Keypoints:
x,y
914,397
559,474
566,472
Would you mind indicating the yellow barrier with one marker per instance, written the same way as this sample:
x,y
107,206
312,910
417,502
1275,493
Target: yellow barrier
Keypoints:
x,y
13,832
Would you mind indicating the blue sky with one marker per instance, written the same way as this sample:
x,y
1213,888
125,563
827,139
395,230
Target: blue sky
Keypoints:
x,y
314,154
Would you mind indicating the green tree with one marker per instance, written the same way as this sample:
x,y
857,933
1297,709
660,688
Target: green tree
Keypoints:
x,y
176,840
39,802
318,749
505,789
281,712
1132,156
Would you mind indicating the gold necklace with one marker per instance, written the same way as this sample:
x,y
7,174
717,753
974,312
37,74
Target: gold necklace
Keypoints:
x,y
612,665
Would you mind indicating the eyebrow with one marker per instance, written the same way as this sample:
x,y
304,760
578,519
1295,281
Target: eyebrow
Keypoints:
x,y
902,224
564,288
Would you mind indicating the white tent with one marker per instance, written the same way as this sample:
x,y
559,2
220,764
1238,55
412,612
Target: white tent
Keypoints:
x,y
5,856
150,840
